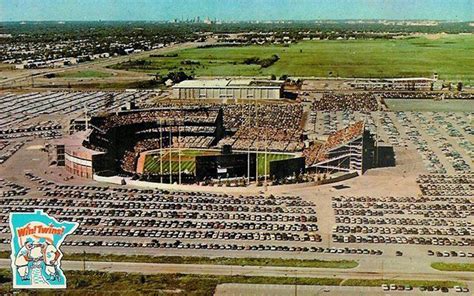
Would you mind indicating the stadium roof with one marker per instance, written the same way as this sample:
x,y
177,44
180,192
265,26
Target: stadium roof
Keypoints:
x,y
231,83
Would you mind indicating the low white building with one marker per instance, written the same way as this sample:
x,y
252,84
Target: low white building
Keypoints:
x,y
228,89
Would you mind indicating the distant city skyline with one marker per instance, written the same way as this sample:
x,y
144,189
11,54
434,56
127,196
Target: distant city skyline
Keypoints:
x,y
234,10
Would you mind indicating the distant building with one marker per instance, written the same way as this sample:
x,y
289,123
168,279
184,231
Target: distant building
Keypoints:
x,y
394,83
228,89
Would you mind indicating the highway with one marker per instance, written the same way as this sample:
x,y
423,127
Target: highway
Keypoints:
x,y
275,271
100,63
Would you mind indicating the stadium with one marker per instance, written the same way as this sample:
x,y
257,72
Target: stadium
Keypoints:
x,y
237,143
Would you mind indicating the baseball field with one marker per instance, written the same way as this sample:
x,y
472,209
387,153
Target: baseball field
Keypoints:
x,y
188,160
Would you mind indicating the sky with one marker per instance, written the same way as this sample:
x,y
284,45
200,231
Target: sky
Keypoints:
x,y
237,10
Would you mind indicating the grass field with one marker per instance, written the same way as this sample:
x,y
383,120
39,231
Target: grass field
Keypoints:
x,y
85,74
450,56
414,283
453,266
314,263
427,105
115,283
188,161
270,157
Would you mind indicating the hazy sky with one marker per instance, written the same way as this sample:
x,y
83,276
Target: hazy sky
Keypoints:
x,y
16,10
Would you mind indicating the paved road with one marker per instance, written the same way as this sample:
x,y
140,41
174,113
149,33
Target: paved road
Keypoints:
x,y
100,62
300,290
151,268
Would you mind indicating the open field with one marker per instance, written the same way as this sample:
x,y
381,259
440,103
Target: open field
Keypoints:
x,y
449,56
85,74
188,160
453,266
427,105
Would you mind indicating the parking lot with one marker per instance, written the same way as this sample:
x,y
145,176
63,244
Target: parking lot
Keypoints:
x,y
442,216
443,140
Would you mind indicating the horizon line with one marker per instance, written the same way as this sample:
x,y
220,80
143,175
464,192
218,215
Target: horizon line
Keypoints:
x,y
244,21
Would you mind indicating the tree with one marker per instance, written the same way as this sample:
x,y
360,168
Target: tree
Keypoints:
x,y
177,77
273,77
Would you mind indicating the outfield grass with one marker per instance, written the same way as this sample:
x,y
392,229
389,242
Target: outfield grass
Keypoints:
x,y
188,162
453,266
85,74
450,56
270,157
428,105
152,163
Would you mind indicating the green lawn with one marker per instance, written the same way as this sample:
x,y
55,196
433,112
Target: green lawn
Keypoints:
x,y
115,283
314,263
428,105
453,266
85,74
450,56
413,283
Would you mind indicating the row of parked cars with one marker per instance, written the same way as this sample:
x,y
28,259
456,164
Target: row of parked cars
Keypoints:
x,y
425,220
394,287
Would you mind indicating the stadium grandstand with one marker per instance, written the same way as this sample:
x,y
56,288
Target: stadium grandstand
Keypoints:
x,y
192,143
348,150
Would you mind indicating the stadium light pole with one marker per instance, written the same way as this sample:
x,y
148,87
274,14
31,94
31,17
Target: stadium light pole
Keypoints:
x,y
256,143
85,116
179,152
265,161
171,176
248,148
161,152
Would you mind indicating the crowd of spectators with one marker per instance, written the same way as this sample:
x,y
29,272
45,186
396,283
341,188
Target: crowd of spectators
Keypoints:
x,y
167,116
318,152
129,159
276,127
193,142
346,102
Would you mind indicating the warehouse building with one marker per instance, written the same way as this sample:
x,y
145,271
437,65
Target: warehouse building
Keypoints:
x,y
393,83
228,89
